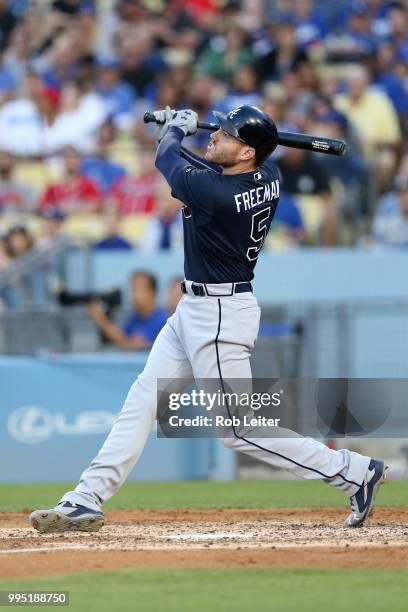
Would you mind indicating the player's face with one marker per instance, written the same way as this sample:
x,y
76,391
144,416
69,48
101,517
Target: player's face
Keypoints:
x,y
224,149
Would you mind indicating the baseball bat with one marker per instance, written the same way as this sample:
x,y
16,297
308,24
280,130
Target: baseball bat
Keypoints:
x,y
318,144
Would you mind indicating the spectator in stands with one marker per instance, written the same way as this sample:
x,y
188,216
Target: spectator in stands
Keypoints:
x,y
21,125
17,56
287,229
350,169
75,192
113,240
164,228
224,55
33,125
161,92
8,22
8,82
80,116
284,53
244,90
398,23
68,8
52,227
141,63
390,227
14,196
18,241
97,166
60,63
118,96
311,26
142,327
386,78
302,174
115,23
4,255
362,38
366,107
201,95
136,194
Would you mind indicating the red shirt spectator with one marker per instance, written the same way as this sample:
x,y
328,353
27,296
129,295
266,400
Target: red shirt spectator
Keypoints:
x,y
75,192
135,194
78,195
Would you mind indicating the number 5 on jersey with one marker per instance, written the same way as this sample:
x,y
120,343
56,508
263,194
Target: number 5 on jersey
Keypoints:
x,y
260,227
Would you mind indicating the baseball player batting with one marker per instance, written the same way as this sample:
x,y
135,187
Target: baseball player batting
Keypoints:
x,y
229,198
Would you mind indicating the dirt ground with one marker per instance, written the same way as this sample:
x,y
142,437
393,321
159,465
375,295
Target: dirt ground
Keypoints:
x,y
285,537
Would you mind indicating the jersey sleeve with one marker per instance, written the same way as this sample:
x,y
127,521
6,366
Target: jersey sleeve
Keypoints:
x,y
193,186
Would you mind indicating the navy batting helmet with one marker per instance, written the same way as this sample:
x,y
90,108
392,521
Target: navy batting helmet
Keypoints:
x,y
253,127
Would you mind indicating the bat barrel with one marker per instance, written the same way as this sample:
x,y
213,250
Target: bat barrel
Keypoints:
x,y
319,144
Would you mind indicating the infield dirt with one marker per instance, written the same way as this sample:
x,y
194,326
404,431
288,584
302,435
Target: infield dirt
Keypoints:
x,y
284,537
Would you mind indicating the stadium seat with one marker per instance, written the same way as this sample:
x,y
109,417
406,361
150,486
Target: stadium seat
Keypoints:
x,y
133,227
311,208
37,174
84,227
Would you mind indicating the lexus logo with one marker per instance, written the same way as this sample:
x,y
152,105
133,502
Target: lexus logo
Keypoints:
x,y
30,424
33,425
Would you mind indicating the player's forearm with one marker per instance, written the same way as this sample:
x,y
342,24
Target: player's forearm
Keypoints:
x,y
168,158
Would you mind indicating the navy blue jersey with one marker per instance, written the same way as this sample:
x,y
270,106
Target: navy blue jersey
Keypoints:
x,y
226,217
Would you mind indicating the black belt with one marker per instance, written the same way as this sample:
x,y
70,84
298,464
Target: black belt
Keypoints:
x,y
200,289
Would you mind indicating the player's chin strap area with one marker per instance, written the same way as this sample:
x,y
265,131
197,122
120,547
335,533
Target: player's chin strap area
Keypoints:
x,y
214,289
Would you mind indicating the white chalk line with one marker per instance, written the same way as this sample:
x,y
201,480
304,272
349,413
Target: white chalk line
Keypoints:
x,y
143,547
14,551
208,536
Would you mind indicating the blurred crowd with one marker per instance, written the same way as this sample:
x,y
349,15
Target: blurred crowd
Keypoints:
x,y
76,77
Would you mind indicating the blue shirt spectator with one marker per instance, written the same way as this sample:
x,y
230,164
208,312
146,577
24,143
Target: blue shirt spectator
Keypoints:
x,y
148,327
141,327
392,85
288,213
102,171
98,166
311,26
118,95
7,80
113,243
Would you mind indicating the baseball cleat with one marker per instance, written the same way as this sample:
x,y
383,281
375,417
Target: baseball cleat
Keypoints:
x,y
66,517
363,501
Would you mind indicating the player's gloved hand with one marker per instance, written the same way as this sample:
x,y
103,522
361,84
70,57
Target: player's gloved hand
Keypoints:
x,y
163,117
186,120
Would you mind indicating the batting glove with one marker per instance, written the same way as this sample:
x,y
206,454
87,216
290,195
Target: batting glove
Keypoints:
x,y
186,120
163,117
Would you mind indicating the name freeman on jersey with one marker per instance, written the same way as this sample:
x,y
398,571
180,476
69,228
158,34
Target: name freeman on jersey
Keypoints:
x,y
264,193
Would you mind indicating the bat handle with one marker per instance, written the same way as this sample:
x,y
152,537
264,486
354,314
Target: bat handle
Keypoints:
x,y
149,117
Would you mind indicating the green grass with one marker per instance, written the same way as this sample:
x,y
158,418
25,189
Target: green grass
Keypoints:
x,y
203,494
178,590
